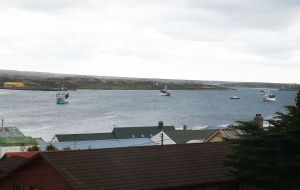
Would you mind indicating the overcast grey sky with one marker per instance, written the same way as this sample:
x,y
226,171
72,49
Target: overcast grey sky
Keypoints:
x,y
251,40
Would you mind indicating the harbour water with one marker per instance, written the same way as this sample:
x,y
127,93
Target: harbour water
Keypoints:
x,y
36,113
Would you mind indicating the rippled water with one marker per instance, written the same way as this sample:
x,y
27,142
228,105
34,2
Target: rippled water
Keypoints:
x,y
37,114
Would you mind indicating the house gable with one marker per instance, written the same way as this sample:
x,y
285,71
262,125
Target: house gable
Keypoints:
x,y
34,173
162,136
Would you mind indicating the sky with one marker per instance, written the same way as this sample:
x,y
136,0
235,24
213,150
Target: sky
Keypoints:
x,y
228,40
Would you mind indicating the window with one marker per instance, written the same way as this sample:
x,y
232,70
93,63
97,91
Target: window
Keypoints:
x,y
18,186
34,188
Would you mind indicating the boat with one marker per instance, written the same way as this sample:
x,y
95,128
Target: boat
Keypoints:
x,y
234,97
62,97
165,91
269,97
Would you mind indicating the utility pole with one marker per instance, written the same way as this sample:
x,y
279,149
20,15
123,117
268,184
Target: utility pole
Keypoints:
x,y
75,141
2,124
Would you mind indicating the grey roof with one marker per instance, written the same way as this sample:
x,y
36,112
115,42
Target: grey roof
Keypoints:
x,y
40,140
10,132
139,132
7,165
183,136
184,166
84,137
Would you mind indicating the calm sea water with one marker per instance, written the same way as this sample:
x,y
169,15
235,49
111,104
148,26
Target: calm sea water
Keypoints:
x,y
37,114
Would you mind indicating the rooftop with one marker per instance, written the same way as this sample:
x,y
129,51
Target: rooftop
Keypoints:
x,y
184,136
84,137
17,141
96,144
139,132
10,132
136,168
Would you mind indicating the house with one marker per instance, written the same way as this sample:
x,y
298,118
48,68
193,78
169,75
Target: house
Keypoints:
x,y
10,132
14,85
183,136
185,166
225,133
15,144
140,132
117,133
13,140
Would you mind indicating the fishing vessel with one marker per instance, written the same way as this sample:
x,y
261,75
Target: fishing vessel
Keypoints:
x,y
269,97
165,91
62,97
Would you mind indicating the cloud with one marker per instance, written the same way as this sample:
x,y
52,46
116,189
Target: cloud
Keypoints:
x,y
208,39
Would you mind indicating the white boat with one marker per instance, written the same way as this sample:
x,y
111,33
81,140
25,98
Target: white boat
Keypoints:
x,y
234,97
269,97
62,97
165,91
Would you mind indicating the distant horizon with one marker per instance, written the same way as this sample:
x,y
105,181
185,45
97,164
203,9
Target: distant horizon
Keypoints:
x,y
88,75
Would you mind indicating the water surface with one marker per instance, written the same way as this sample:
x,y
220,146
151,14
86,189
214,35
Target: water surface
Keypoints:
x,y
37,114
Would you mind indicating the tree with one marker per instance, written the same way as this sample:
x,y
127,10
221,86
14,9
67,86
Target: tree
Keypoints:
x,y
33,148
50,147
269,158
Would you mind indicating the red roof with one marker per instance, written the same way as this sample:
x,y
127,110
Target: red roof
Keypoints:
x,y
21,154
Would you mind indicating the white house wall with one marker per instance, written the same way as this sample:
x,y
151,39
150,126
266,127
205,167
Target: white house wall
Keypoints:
x,y
166,139
5,149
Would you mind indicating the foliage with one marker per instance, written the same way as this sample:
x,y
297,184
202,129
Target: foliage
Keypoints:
x,y
33,148
50,147
269,158
66,148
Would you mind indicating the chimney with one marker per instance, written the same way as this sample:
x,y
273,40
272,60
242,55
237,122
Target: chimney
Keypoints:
x,y
259,120
161,125
184,127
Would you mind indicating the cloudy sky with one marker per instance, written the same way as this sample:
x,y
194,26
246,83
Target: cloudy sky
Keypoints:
x,y
252,40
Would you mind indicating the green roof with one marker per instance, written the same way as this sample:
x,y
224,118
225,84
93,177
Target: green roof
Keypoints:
x,y
183,136
17,141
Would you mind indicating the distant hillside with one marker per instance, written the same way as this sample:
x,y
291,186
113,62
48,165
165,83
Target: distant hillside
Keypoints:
x,y
50,81
280,86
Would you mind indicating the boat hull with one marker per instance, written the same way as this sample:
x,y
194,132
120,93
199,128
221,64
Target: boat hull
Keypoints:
x,y
269,99
165,94
61,101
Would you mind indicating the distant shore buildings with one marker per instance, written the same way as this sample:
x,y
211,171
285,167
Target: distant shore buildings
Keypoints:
x,y
13,85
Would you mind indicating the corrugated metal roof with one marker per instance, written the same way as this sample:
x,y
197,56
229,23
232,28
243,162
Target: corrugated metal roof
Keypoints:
x,y
230,133
96,144
147,168
17,141
139,132
10,132
84,137
183,136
